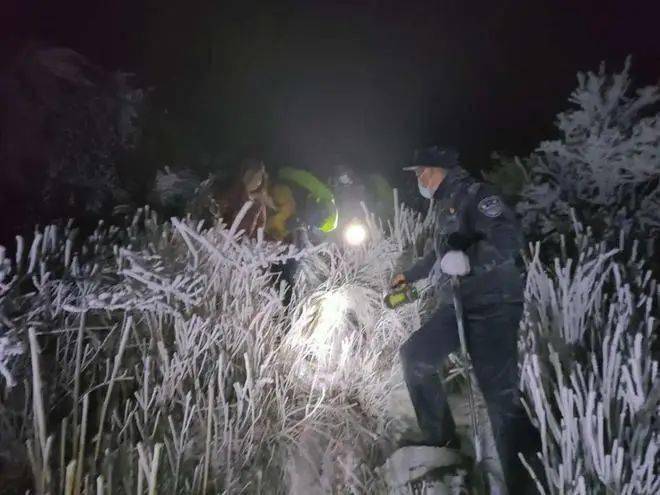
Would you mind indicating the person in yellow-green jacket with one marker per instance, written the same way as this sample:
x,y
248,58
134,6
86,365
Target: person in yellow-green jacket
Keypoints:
x,y
351,188
303,203
305,213
278,224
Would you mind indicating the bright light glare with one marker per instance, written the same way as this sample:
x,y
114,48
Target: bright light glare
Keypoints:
x,y
332,310
355,234
334,306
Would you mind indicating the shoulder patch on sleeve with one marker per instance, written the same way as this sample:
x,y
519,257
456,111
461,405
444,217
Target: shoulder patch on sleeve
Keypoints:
x,y
491,206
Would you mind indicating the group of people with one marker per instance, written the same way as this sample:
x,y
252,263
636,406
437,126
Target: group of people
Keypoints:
x,y
278,205
477,238
295,201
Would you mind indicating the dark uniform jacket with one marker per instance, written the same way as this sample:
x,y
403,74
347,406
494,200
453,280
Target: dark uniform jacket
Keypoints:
x,y
471,217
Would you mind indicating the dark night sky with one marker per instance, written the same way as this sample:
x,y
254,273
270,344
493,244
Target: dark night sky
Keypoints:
x,y
306,81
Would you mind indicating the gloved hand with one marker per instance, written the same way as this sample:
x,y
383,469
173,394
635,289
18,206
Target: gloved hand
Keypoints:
x,y
455,263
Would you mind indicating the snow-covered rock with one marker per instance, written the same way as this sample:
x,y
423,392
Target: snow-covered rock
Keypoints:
x,y
409,464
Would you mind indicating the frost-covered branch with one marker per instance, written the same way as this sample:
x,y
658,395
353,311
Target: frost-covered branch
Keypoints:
x,y
588,372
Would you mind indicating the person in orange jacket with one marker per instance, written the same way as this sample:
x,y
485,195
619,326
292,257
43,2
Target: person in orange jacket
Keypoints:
x,y
253,186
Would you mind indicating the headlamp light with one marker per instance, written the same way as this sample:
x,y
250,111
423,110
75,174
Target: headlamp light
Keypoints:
x,y
355,233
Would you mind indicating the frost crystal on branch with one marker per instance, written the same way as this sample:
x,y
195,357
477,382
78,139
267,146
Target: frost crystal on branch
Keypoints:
x,y
9,348
589,377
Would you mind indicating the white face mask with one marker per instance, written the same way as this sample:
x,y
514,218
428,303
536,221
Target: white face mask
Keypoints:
x,y
425,191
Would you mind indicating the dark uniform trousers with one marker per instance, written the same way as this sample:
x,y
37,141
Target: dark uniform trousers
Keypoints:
x,y
491,334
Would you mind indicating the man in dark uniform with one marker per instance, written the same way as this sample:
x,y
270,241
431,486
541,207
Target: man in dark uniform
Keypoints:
x,y
477,238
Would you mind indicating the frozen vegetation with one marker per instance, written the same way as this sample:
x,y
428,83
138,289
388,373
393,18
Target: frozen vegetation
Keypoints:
x,y
590,380
604,167
158,357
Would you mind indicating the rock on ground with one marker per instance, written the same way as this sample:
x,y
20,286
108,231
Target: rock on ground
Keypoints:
x,y
409,464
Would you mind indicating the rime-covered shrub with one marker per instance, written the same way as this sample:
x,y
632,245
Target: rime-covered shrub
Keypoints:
x,y
590,380
175,189
96,126
64,125
588,372
605,164
510,175
159,357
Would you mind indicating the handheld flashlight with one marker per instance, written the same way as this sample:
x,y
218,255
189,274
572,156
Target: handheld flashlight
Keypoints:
x,y
355,233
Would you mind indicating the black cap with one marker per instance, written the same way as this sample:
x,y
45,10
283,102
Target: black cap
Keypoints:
x,y
434,156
